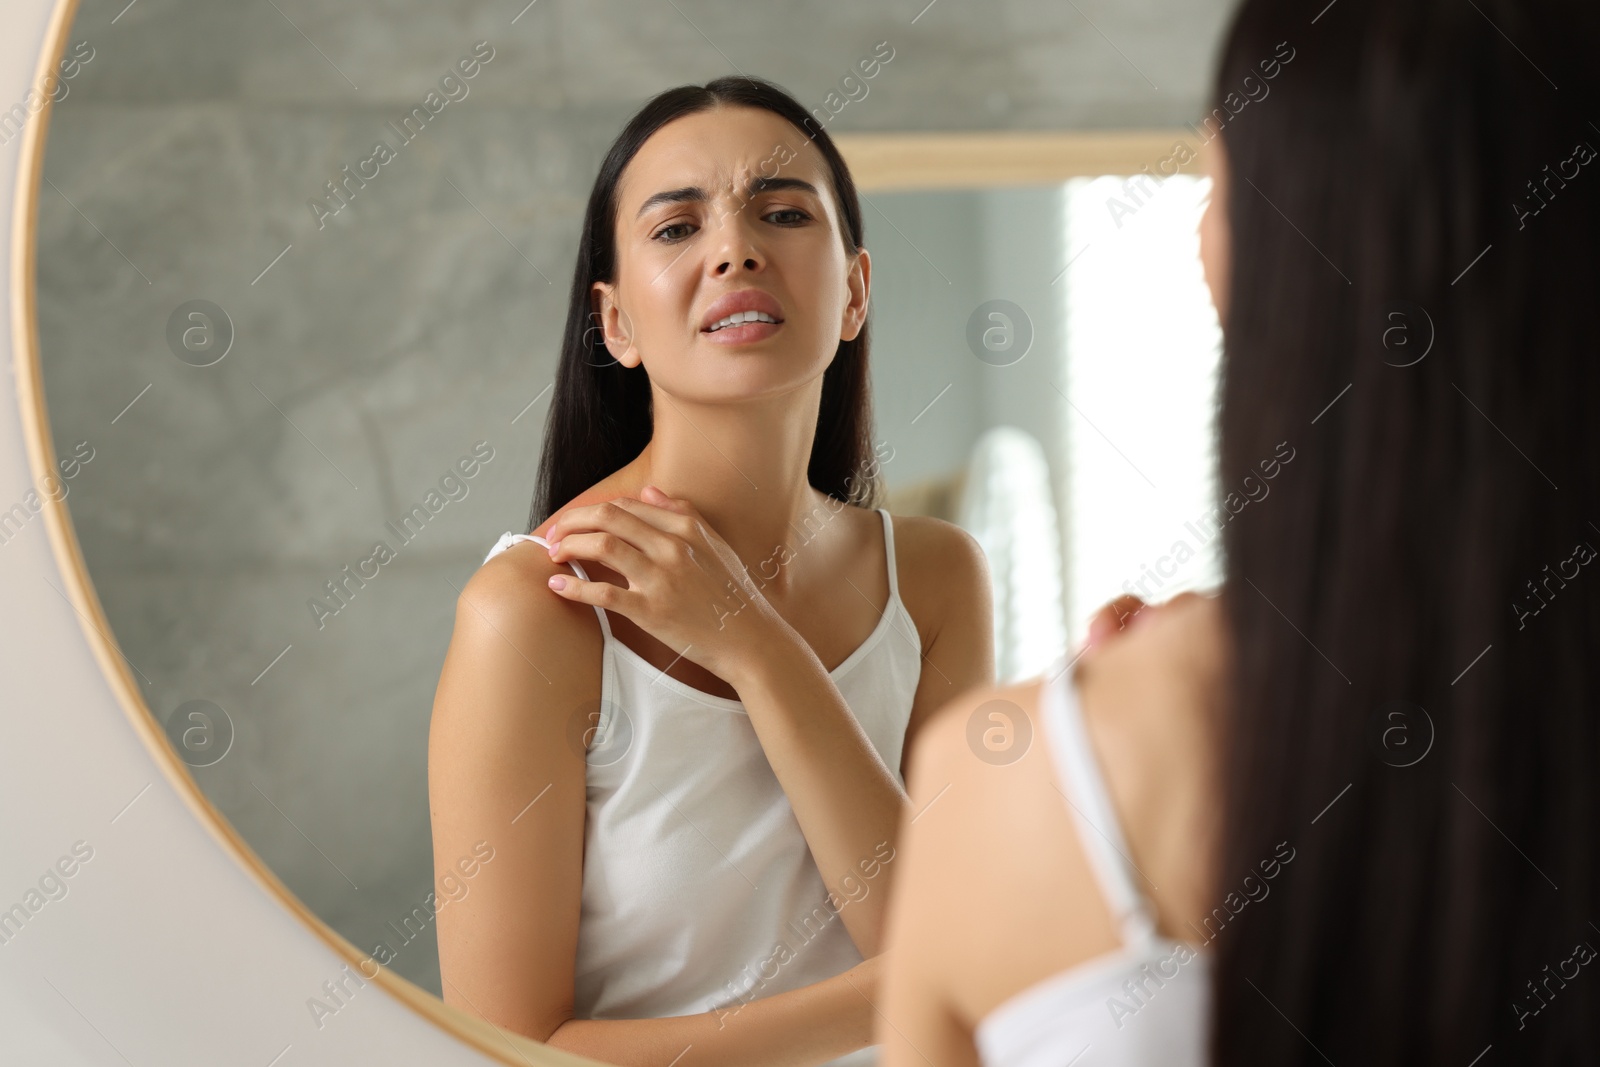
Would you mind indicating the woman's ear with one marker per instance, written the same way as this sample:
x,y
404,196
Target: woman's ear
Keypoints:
x,y
859,281
615,326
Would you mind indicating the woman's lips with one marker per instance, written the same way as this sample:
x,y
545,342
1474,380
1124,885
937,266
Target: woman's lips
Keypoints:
x,y
751,304
743,334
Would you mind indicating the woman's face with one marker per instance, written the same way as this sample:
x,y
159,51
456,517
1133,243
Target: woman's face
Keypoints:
x,y
1215,244
730,212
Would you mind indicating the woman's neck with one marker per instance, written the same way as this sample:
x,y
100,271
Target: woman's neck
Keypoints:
x,y
744,471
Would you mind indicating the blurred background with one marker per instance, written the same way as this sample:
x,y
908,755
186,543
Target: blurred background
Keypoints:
x,y
271,387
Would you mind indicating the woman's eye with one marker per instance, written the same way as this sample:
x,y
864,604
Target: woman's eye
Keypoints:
x,y
788,216
676,231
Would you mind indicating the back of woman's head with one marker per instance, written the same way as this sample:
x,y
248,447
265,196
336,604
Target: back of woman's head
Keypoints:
x,y
600,411
1414,203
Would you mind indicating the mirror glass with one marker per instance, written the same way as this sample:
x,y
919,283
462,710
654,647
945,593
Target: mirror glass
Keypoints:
x,y
304,404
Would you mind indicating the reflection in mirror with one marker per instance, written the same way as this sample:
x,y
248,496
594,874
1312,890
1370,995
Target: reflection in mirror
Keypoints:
x,y
1087,471
306,381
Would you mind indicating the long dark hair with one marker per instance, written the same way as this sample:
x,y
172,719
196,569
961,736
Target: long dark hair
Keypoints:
x,y
600,413
1417,655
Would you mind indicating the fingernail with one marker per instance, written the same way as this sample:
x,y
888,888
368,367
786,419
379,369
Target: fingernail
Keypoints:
x,y
554,545
558,581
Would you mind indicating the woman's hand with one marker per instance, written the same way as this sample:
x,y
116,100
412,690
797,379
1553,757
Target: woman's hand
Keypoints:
x,y
1123,612
686,587
1111,620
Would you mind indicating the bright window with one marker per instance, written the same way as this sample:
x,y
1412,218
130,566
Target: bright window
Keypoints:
x,y
1142,346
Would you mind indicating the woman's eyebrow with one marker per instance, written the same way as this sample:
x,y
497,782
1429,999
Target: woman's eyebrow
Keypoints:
x,y
694,194
687,195
767,185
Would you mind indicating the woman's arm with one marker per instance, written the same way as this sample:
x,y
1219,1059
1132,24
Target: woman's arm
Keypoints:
x,y
847,803
506,772
950,595
921,1022
800,1028
503,769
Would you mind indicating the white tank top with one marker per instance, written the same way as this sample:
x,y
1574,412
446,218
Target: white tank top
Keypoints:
x,y
1147,1002
699,891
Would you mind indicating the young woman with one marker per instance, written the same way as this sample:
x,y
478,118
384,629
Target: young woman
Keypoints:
x,y
1346,811
687,756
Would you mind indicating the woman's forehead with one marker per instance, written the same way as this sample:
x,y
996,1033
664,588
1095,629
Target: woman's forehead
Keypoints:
x,y
721,150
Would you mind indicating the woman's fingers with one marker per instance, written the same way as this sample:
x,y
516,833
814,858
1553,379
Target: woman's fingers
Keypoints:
x,y
674,517
1113,618
622,517
598,594
651,495
1125,611
602,546
631,537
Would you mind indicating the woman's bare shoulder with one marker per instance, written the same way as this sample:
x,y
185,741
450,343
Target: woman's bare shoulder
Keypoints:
x,y
1153,703
984,762
517,635
941,568
512,586
1150,698
927,545
991,836
981,750
1165,672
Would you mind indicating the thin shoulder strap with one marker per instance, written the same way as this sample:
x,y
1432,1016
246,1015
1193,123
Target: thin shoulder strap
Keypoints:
x,y
888,551
510,539
1098,828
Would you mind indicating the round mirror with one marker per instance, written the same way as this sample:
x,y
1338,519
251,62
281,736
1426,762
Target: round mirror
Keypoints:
x,y
302,275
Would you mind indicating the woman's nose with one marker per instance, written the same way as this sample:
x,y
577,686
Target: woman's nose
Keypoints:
x,y
736,247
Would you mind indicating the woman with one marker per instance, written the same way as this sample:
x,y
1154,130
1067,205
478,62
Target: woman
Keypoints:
x,y
688,756
1345,812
